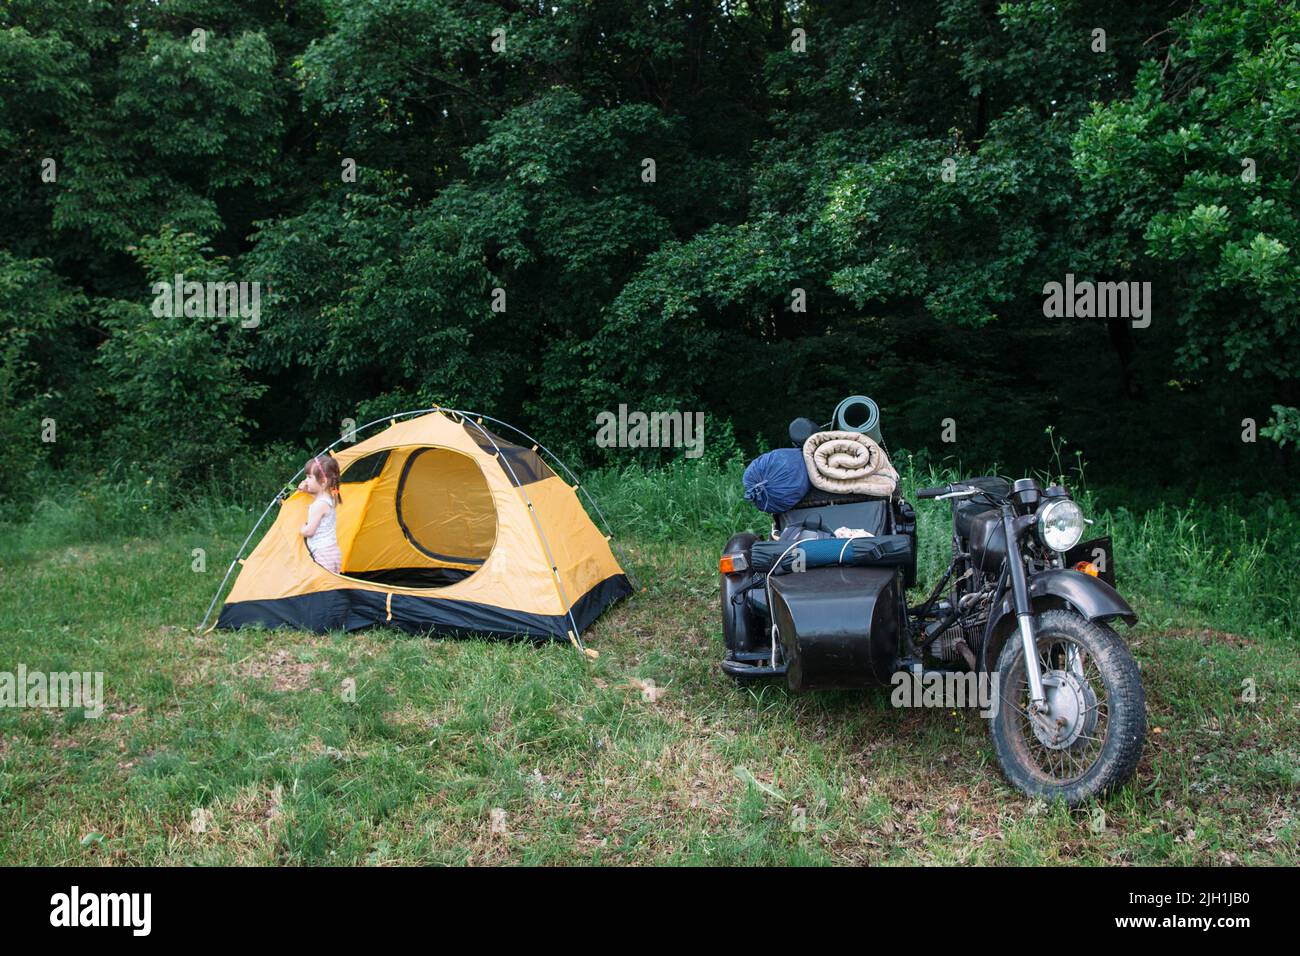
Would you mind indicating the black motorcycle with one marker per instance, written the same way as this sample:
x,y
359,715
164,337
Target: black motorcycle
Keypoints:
x,y
1024,611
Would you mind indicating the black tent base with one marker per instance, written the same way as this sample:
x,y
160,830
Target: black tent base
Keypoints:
x,y
352,609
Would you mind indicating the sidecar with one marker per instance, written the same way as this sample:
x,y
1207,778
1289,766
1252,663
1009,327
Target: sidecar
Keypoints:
x,y
823,612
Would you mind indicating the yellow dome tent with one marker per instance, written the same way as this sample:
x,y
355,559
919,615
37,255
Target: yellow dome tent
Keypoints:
x,y
443,526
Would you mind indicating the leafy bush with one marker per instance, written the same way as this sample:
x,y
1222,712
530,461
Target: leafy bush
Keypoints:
x,y
1284,427
41,324
178,384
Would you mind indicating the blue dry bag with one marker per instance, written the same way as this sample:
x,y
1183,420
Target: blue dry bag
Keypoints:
x,y
777,481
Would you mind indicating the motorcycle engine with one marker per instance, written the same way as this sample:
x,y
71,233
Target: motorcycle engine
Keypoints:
x,y
944,647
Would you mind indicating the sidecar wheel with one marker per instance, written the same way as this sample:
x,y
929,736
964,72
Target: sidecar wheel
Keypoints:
x,y
1093,744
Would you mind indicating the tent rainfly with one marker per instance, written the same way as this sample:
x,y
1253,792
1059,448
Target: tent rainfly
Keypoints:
x,y
443,527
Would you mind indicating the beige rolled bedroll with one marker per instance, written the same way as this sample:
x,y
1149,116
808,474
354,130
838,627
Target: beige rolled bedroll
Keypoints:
x,y
850,463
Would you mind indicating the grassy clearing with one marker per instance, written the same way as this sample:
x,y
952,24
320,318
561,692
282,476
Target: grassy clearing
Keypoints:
x,y
240,747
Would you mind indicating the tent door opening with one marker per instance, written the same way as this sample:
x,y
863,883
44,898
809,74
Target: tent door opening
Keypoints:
x,y
418,517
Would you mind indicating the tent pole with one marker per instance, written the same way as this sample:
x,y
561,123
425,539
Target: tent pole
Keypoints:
x,y
222,586
546,546
240,553
574,478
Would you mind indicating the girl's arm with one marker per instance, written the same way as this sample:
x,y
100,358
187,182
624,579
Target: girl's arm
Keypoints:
x,y
314,515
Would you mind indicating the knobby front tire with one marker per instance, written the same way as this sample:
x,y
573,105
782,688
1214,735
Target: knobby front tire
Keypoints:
x,y
1103,739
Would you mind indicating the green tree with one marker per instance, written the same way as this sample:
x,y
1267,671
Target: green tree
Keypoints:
x,y
43,324
180,395
1196,175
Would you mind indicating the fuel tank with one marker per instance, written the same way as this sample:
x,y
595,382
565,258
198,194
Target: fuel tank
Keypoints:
x,y
839,626
988,541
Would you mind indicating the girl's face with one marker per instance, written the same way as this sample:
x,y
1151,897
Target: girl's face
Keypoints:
x,y
314,485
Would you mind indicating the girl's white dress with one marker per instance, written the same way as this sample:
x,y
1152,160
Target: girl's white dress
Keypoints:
x,y
324,544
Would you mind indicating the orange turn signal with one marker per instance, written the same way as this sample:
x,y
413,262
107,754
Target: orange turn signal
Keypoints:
x,y
1087,567
733,563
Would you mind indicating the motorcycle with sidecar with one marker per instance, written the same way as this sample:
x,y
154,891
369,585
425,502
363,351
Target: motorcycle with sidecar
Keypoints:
x,y
1025,604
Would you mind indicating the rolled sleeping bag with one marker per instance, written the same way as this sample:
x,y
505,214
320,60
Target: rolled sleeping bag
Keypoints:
x,y
881,551
777,481
850,463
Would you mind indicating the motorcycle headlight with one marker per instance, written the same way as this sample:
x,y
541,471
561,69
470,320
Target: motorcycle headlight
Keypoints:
x,y
1060,524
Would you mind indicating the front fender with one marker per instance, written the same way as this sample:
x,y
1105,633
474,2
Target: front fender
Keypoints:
x,y
1092,597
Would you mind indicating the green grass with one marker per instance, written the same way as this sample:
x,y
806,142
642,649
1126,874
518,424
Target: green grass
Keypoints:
x,y
250,733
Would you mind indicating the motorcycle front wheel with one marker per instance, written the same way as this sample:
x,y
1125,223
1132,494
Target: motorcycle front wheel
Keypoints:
x,y
1089,742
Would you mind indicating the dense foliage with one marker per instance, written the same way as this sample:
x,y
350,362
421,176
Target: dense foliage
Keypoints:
x,y
749,209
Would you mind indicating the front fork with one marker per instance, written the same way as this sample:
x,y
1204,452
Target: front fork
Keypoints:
x,y
1013,527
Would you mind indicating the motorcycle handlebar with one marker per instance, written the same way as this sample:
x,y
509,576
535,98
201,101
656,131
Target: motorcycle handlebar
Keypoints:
x,y
932,492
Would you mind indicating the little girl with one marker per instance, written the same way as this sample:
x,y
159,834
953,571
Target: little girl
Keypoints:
x,y
322,482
